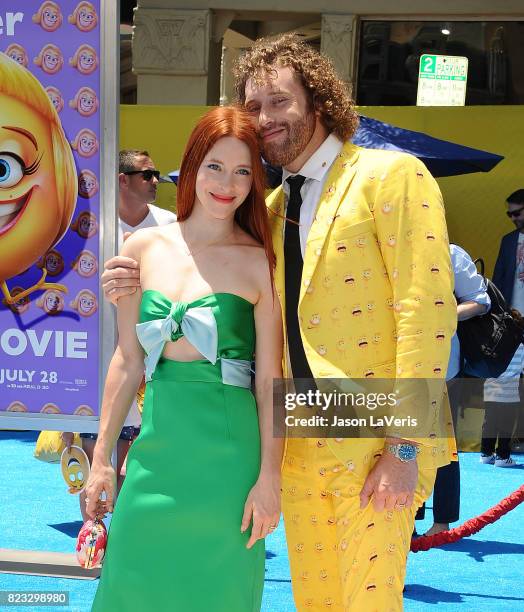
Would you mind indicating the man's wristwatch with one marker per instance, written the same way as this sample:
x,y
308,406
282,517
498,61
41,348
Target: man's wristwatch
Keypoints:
x,y
405,452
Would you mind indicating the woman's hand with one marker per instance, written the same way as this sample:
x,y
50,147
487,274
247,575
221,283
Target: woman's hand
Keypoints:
x,y
263,507
102,479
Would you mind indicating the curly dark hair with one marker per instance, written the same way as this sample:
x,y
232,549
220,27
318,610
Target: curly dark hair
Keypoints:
x,y
328,93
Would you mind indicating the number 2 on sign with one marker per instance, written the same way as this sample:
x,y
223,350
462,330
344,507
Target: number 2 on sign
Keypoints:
x,y
428,64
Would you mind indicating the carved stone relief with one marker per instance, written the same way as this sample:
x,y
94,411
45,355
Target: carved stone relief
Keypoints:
x,y
171,41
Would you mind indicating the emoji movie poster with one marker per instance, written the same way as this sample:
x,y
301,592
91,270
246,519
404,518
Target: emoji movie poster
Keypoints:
x,y
49,206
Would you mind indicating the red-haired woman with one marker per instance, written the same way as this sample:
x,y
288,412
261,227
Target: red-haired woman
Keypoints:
x,y
205,465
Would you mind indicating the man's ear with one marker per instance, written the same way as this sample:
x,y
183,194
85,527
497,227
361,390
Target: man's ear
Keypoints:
x,y
122,180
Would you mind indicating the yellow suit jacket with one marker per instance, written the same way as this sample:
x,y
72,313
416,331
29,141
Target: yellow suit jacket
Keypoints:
x,y
377,284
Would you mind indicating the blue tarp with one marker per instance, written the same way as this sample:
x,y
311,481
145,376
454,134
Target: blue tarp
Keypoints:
x,y
443,158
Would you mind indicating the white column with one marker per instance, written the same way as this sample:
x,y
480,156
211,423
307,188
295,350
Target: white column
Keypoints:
x,y
339,42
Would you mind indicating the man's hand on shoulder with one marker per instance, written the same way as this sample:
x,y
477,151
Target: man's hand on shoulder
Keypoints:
x,y
121,277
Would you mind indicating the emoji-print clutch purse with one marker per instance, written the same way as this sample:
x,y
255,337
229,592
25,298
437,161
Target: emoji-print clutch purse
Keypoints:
x,y
91,543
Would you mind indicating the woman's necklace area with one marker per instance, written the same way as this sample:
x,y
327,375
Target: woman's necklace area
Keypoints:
x,y
190,252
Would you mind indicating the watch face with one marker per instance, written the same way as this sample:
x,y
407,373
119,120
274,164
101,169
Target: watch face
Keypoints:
x,y
406,452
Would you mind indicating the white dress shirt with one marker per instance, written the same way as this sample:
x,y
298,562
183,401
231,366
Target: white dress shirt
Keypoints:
x,y
316,170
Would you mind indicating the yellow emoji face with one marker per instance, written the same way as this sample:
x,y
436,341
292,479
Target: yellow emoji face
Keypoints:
x,y
38,181
29,213
75,468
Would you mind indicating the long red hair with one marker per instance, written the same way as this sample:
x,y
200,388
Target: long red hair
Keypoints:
x,y
251,215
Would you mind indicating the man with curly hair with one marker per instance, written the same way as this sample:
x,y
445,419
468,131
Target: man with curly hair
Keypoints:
x,y
365,281
364,277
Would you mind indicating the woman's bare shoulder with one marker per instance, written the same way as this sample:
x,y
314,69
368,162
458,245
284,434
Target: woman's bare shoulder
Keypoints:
x,y
142,239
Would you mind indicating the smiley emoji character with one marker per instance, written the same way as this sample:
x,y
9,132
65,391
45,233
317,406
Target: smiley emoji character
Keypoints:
x,y
84,17
51,302
315,319
362,342
18,54
38,182
50,408
53,262
49,16
50,59
18,306
87,184
85,264
440,336
342,346
84,410
85,102
85,143
391,240
85,225
75,468
56,98
85,303
85,59
16,406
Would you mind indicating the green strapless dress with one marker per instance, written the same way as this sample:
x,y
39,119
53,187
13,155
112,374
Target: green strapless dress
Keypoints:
x,y
174,540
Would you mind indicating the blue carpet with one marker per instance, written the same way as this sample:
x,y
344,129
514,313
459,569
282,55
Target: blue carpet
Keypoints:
x,y
483,573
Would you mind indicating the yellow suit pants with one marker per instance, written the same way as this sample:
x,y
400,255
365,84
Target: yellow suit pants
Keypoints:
x,y
342,558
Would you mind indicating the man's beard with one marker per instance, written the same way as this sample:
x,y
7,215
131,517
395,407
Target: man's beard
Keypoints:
x,y
299,133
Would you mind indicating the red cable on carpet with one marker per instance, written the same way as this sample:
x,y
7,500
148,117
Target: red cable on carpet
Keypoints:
x,y
470,527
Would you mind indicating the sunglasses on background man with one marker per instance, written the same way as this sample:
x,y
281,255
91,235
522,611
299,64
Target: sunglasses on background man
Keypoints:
x,y
514,213
147,175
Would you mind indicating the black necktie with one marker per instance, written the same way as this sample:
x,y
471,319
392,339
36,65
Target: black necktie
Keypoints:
x,y
293,264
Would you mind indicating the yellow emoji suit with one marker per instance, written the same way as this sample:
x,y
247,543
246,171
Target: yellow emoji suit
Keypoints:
x,y
377,254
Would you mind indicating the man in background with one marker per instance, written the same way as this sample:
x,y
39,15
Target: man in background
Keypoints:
x,y
509,268
137,181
